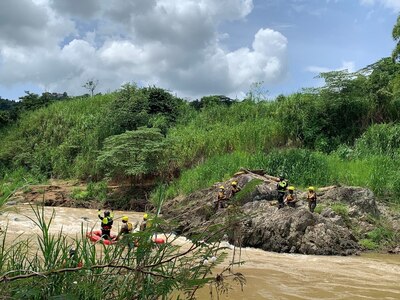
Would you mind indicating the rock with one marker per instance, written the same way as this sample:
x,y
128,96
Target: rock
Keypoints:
x,y
395,250
296,231
335,218
361,200
290,230
11,203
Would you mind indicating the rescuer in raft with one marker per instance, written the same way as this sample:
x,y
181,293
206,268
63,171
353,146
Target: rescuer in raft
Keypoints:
x,y
106,223
126,227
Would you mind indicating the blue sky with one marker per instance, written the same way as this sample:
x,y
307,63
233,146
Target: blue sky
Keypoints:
x,y
191,47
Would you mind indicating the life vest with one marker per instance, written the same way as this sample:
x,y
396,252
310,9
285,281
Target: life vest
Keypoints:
x,y
221,196
106,223
281,186
130,226
289,198
311,196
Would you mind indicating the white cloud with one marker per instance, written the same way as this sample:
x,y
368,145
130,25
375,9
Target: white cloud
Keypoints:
x,y
390,4
59,44
346,65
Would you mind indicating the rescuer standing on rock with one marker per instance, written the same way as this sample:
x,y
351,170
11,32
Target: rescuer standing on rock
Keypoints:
x,y
311,198
221,198
281,188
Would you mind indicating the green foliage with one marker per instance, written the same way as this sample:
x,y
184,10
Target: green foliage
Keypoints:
x,y
133,153
319,208
381,234
368,244
97,190
217,168
396,37
79,194
58,141
340,209
217,130
380,139
302,167
247,189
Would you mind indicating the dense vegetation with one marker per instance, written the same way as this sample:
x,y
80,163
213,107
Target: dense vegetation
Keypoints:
x,y
345,132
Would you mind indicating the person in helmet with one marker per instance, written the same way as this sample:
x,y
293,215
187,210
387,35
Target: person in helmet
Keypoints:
x,y
281,188
235,188
145,223
221,197
126,227
106,223
311,198
291,199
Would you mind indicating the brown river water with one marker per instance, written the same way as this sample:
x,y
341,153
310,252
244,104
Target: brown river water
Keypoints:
x,y
269,275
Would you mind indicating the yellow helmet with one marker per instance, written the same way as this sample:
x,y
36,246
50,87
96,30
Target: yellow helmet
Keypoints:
x,y
291,188
145,216
310,188
234,183
125,218
222,187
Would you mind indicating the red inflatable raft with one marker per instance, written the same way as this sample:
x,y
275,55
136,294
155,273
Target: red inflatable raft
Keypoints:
x,y
95,236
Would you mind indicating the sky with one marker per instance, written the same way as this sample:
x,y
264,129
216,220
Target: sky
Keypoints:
x,y
192,48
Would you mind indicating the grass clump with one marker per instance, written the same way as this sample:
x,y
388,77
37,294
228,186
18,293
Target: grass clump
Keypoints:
x,y
368,244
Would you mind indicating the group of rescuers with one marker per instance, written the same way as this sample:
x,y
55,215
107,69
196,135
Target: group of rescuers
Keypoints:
x,y
107,220
282,186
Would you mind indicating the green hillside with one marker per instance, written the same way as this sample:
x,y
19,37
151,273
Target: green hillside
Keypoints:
x,y
346,132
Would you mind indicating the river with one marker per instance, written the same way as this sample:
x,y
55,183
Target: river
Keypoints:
x,y
269,275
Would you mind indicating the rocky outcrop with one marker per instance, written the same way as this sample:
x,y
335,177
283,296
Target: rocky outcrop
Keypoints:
x,y
295,230
264,226
361,201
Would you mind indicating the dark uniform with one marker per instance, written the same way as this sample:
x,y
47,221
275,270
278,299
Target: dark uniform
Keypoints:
x,y
106,224
281,188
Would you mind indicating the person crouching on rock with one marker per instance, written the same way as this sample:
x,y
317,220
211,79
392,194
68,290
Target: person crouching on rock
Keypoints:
x,y
106,224
221,198
290,199
311,198
281,188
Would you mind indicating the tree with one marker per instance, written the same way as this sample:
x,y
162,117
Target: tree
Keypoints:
x,y
133,153
396,37
91,85
128,111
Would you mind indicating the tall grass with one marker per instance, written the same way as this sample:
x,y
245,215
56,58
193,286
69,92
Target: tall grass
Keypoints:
x,y
302,168
60,140
243,127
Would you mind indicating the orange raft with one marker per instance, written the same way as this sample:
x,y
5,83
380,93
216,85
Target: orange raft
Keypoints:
x,y
95,236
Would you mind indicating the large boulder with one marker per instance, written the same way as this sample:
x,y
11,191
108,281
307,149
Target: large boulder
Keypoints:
x,y
360,200
295,230
263,225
